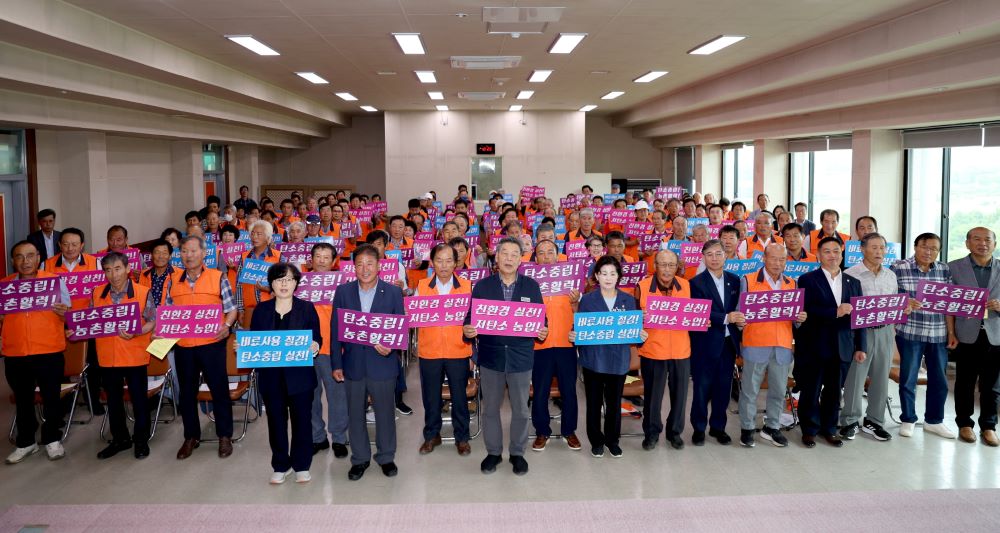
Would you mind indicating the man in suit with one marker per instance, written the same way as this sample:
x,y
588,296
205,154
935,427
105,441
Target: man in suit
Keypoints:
x,y
714,351
977,340
46,239
368,370
826,344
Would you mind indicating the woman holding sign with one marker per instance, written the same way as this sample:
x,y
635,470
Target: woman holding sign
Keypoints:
x,y
605,366
288,391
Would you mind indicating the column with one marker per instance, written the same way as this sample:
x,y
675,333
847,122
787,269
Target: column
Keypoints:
x,y
244,169
770,172
83,184
187,177
877,180
708,169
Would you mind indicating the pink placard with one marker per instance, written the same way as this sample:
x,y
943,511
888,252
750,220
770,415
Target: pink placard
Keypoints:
x,y
949,299
620,217
557,278
350,230
772,306
379,207
683,314
650,242
568,203
691,253
530,192
320,287
23,295
231,252
388,269
188,321
668,192
714,230
438,310
296,252
423,236
635,228
474,275
103,321
601,212
369,329
135,261
81,284
513,319
871,311
632,274
576,250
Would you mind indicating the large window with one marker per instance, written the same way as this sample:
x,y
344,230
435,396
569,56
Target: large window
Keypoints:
x,y
822,179
950,191
737,174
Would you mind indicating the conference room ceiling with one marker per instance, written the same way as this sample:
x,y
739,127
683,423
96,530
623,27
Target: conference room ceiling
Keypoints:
x,y
350,42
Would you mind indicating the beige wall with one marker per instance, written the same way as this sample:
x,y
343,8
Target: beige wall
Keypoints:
x,y
615,150
431,150
139,186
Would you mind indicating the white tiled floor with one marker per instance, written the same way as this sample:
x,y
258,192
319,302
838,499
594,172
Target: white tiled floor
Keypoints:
x,y
920,462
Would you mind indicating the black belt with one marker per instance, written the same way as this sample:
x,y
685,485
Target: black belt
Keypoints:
x,y
880,327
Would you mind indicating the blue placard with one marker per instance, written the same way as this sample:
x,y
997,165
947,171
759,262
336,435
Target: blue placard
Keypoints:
x,y
794,269
473,231
244,236
275,238
758,256
674,246
694,221
853,255
211,257
612,198
742,267
439,221
328,240
426,226
508,198
438,205
394,254
615,327
254,272
269,349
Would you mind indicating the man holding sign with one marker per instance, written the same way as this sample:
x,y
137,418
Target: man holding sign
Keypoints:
x,y
248,295
199,285
33,343
505,360
368,370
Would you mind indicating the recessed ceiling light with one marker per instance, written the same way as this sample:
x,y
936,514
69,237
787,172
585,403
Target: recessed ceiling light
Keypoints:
x,y
716,44
425,76
600,72
612,95
524,95
539,76
650,76
369,108
347,96
589,107
436,95
253,45
566,43
386,73
410,43
441,107
312,77
515,107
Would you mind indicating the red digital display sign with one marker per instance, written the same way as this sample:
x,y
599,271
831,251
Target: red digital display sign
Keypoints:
x,y
486,149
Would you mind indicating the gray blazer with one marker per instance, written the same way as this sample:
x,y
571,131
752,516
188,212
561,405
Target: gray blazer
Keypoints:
x,y
967,329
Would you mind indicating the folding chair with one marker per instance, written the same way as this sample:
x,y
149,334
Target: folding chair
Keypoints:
x,y
635,388
472,394
75,378
245,385
789,399
159,372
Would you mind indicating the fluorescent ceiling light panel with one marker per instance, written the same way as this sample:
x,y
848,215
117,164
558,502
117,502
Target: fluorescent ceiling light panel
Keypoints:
x,y
409,43
425,76
441,107
347,97
612,95
589,107
255,46
369,108
436,95
312,77
515,107
524,95
566,43
650,76
716,44
540,76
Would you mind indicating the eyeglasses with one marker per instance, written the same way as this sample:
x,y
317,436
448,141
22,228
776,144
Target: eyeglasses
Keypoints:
x,y
284,280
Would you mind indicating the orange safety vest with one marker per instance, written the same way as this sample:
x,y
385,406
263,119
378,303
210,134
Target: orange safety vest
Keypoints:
x,y
116,351
664,344
34,332
443,342
207,291
559,313
755,244
805,256
575,235
766,334
815,237
250,291
87,263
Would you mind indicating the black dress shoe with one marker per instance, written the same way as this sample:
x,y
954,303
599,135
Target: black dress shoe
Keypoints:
x,y
358,470
339,450
389,469
834,440
141,451
698,438
320,446
676,441
720,436
809,441
489,465
520,465
648,443
113,448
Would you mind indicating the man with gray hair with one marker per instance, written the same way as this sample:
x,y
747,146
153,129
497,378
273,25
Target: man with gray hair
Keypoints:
x,y
763,235
586,230
876,280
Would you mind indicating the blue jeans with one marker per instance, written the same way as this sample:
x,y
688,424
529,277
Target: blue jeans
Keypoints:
x,y
936,356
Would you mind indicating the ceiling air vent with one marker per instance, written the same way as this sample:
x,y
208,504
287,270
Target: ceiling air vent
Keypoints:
x,y
517,20
483,96
485,62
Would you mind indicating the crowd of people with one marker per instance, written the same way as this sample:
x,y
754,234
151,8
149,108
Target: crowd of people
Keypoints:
x,y
448,248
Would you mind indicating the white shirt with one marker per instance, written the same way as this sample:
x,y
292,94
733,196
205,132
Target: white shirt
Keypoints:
x,y
720,287
71,266
775,284
836,284
50,248
443,287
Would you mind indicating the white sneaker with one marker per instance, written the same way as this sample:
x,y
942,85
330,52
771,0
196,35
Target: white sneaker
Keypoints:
x,y
55,451
278,478
940,430
20,454
303,477
906,429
